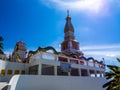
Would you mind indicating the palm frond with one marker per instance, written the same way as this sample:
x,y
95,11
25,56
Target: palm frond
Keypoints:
x,y
118,60
113,76
108,83
1,45
112,67
1,38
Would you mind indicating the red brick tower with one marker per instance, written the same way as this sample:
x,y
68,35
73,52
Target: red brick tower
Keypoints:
x,y
70,45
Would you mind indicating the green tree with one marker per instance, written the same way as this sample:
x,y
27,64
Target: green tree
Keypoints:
x,y
1,44
113,77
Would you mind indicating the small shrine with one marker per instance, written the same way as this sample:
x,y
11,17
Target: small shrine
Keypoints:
x,y
19,53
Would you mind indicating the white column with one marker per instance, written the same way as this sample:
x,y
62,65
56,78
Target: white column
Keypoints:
x,y
79,71
95,73
39,69
68,60
69,73
55,70
40,65
88,71
56,57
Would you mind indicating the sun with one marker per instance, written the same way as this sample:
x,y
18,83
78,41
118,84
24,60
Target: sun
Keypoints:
x,y
89,6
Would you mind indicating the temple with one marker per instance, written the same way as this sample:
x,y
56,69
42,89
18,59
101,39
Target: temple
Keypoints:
x,y
67,69
19,53
70,45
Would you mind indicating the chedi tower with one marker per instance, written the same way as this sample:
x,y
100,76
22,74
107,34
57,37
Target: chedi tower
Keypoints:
x,y
70,45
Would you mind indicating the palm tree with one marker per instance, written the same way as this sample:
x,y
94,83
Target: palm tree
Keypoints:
x,y
113,77
1,44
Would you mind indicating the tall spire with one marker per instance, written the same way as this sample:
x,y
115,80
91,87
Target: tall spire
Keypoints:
x,y
69,30
67,12
68,18
69,45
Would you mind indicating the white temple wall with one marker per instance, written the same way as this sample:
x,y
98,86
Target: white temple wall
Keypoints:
x,y
38,82
5,65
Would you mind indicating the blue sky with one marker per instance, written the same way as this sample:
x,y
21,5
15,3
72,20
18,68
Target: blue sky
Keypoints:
x,y
41,23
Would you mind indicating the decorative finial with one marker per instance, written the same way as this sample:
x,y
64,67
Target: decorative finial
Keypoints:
x,y
67,12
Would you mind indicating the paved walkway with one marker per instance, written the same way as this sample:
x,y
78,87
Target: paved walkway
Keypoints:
x,y
2,84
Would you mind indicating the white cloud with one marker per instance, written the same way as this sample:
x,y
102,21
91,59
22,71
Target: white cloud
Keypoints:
x,y
108,52
101,47
88,6
103,53
57,44
8,52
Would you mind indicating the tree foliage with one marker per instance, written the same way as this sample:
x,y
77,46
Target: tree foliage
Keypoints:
x,y
1,44
113,77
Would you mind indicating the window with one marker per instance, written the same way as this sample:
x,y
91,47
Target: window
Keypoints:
x,y
84,72
92,73
74,61
47,69
48,56
91,63
97,64
98,74
23,72
102,66
102,74
62,59
16,72
33,70
9,72
3,72
81,62
74,72
61,72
